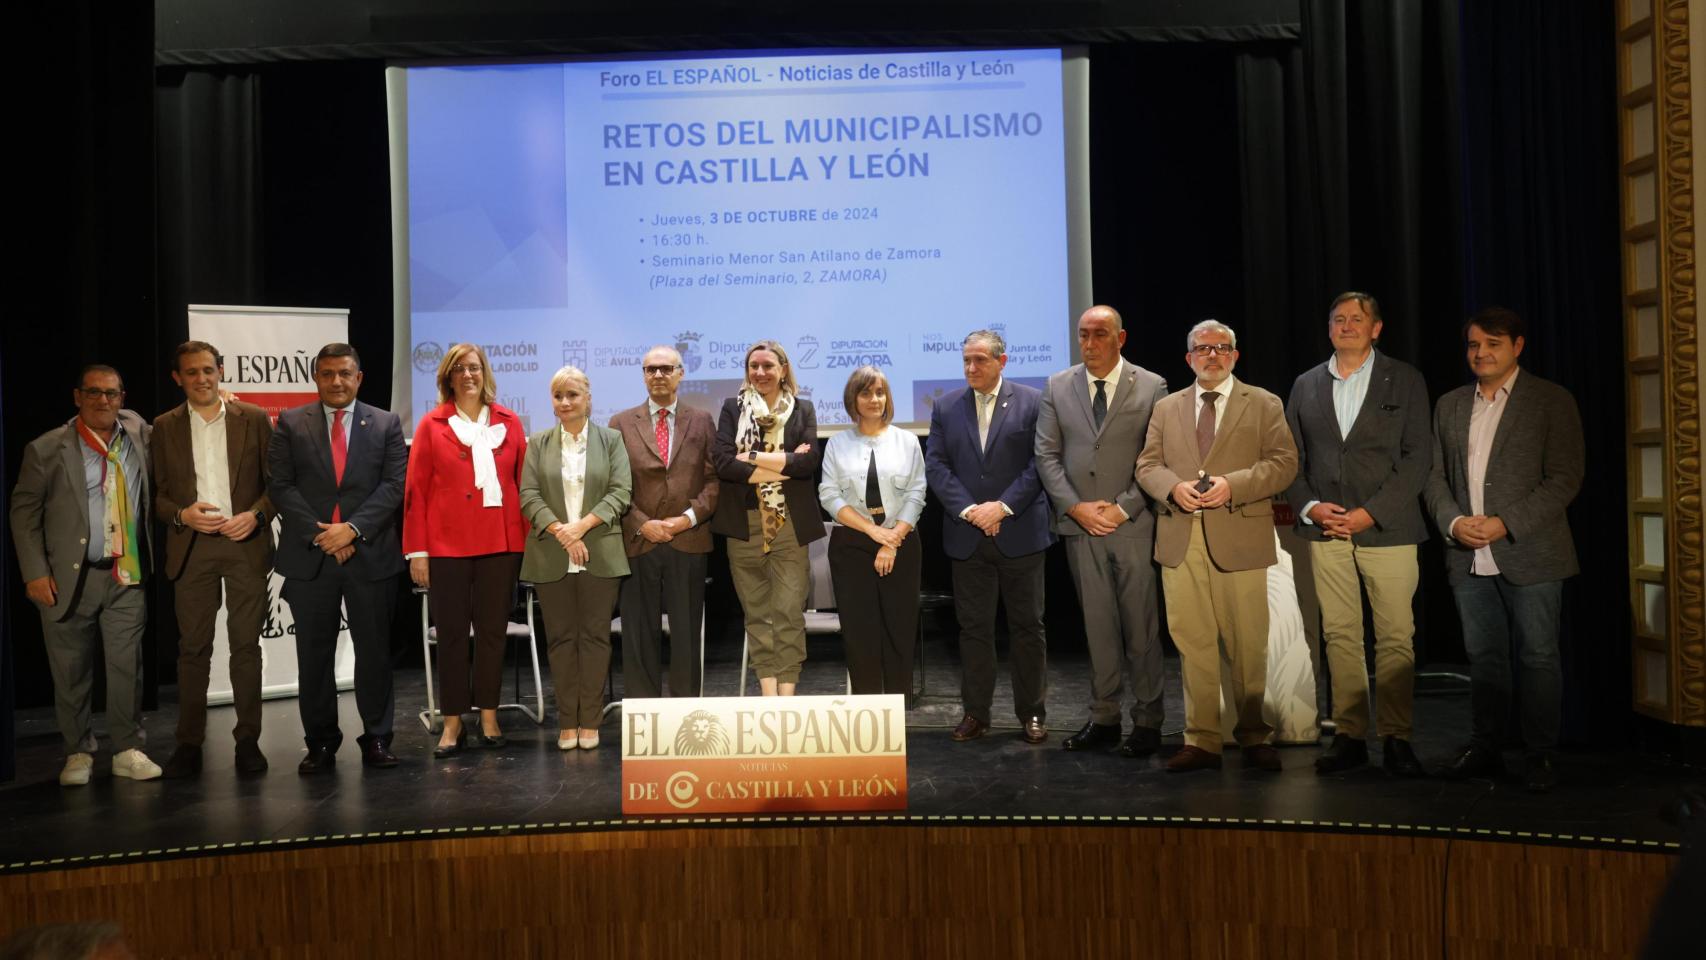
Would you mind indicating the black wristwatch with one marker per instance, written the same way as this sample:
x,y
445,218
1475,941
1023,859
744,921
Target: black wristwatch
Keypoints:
x,y
752,456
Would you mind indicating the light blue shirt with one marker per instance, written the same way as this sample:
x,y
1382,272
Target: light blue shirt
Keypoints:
x,y
1348,394
900,470
92,472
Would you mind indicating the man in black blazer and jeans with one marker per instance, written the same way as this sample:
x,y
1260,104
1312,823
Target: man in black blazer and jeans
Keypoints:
x,y
1508,459
337,469
1360,422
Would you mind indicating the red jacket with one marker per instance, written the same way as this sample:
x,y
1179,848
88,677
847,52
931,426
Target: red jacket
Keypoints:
x,y
442,510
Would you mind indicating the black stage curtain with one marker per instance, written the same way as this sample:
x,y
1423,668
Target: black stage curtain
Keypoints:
x,y
82,290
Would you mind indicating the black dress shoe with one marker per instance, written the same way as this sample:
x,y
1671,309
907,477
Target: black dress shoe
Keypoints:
x,y
185,763
377,753
445,751
1344,753
1142,742
1475,760
1399,759
1540,773
492,743
250,759
320,759
1093,736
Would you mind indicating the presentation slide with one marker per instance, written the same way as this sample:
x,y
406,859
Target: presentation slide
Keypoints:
x,y
859,208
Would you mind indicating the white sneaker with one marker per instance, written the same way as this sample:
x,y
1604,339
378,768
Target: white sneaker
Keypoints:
x,y
133,763
78,766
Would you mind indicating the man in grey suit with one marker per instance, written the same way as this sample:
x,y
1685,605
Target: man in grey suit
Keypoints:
x,y
1092,424
80,523
1508,459
1360,422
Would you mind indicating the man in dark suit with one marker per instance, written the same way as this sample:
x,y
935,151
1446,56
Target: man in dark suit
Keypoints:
x,y
1216,455
1508,459
80,525
665,532
982,466
1089,432
336,470
208,458
1360,422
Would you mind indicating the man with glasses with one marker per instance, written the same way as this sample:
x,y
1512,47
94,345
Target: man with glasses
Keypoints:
x,y
1215,456
1089,431
1360,422
80,525
209,467
665,531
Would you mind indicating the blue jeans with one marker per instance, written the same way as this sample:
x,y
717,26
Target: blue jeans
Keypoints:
x,y
1496,612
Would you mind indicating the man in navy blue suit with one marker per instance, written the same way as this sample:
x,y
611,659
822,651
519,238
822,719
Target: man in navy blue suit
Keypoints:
x,y
981,465
337,468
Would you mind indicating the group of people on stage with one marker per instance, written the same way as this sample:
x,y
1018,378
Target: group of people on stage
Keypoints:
x,y
605,519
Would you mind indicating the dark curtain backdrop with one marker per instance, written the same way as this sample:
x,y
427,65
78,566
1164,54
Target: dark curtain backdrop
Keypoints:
x,y
1441,156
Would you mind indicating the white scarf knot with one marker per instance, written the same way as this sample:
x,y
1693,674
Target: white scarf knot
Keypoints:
x,y
482,438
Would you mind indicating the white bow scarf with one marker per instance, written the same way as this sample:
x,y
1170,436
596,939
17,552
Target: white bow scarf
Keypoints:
x,y
482,438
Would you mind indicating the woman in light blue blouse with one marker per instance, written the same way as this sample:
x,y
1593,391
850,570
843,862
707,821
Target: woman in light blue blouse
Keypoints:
x,y
873,485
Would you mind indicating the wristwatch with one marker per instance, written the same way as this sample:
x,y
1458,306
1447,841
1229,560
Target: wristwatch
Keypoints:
x,y
752,456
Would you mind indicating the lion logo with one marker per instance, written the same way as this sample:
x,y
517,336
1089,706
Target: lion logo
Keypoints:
x,y
701,734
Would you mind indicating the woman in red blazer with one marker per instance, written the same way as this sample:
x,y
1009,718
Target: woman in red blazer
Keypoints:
x,y
463,534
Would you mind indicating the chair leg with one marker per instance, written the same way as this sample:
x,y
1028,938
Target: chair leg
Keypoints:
x,y
429,718
745,640
533,650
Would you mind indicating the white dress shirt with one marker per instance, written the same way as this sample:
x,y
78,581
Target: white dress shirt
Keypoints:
x,y
1112,381
212,464
573,472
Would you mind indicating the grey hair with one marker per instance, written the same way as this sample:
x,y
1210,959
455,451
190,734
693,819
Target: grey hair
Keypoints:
x,y
60,941
1209,326
664,346
997,346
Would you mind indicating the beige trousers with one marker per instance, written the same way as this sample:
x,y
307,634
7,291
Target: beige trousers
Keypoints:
x,y
1342,571
1219,621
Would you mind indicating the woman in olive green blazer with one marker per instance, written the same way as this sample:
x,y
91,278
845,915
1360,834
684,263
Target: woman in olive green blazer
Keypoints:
x,y
575,487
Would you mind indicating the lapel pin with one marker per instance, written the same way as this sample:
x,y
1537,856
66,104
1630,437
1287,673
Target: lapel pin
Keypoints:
x,y
1003,404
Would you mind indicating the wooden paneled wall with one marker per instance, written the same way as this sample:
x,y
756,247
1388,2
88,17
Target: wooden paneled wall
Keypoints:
x,y
880,891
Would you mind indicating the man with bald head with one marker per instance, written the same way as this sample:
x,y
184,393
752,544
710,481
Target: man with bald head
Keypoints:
x,y
665,531
1093,420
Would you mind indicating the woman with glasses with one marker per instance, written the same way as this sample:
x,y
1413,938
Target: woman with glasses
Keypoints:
x,y
873,485
766,454
574,488
463,535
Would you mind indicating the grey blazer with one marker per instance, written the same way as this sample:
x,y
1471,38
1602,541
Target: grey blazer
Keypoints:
x,y
50,509
608,487
1078,462
1534,471
1381,467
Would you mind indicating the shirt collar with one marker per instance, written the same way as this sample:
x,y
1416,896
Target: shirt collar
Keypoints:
x,y
1333,366
197,418
1113,375
652,407
332,412
570,438
993,393
1224,388
1504,390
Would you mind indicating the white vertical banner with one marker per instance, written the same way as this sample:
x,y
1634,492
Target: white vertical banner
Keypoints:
x,y
269,361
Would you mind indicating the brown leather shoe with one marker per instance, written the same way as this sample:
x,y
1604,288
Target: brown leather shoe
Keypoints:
x,y
970,728
1261,756
1035,731
1191,758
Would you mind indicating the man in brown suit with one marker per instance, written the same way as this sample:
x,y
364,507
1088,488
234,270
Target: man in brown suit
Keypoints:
x,y
666,531
209,467
1214,456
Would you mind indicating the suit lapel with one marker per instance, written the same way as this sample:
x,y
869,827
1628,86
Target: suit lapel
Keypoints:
x,y
1515,405
71,455
320,438
998,416
235,425
1226,422
968,403
551,466
1080,381
1187,425
649,432
597,472
1323,398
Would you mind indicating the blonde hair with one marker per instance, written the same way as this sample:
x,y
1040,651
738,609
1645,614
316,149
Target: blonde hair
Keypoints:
x,y
570,373
789,384
489,388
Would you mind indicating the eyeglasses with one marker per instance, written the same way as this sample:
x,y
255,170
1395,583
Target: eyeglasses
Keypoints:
x,y
461,368
661,370
1205,349
110,396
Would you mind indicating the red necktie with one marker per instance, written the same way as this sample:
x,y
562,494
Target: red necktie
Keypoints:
x,y
663,436
340,451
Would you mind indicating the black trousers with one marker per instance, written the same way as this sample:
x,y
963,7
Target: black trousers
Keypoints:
x,y
663,580
980,581
879,615
370,605
478,591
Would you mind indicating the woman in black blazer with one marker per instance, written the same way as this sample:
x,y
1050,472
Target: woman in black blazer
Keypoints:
x,y
766,454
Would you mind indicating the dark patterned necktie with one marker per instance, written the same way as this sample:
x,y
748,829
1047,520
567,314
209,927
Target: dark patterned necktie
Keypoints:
x,y
1099,406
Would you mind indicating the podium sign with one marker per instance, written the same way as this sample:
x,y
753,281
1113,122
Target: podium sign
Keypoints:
x,y
699,755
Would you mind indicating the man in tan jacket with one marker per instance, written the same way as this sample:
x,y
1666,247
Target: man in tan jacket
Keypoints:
x,y
1215,455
